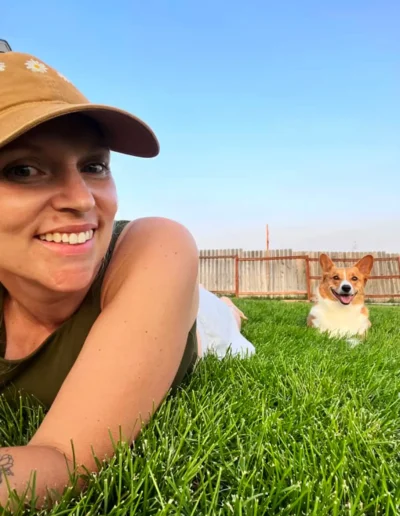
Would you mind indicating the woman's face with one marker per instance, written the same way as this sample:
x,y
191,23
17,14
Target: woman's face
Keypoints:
x,y
57,205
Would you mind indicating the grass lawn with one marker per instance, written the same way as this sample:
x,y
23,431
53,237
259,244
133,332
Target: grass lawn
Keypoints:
x,y
306,426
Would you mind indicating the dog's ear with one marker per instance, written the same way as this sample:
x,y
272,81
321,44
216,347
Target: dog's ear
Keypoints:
x,y
325,262
365,264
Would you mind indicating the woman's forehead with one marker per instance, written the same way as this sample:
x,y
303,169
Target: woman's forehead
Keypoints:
x,y
75,128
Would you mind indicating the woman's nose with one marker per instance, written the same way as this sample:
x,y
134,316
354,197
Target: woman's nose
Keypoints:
x,y
73,192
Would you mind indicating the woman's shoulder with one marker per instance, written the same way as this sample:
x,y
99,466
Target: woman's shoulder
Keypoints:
x,y
151,232
146,243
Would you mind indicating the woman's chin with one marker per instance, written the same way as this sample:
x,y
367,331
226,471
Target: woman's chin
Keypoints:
x,y
70,281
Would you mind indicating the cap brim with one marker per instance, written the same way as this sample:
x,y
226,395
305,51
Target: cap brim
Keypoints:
x,y
123,132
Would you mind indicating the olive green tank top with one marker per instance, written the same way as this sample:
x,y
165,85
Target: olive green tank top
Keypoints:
x,y
41,374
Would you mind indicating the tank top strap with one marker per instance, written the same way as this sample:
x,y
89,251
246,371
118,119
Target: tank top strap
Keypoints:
x,y
119,226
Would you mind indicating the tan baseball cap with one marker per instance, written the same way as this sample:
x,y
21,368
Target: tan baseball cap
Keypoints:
x,y
32,92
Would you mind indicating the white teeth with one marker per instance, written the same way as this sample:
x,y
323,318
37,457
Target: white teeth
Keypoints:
x,y
68,238
73,238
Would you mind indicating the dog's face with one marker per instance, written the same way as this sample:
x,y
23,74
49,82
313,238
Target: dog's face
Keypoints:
x,y
347,284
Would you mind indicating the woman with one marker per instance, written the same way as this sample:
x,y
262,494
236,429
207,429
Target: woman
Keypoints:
x,y
97,318
71,279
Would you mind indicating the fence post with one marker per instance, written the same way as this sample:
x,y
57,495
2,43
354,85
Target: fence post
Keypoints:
x,y
308,278
237,276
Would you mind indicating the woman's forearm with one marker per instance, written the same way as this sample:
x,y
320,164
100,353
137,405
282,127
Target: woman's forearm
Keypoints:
x,y
19,464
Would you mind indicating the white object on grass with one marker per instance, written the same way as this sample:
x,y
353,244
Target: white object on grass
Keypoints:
x,y
217,328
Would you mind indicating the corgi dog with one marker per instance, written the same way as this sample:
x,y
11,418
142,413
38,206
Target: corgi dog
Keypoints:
x,y
339,309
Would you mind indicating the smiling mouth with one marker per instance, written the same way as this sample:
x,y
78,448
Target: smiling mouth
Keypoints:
x,y
67,238
345,299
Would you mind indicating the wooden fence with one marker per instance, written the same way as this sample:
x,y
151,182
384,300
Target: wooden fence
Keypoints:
x,y
284,273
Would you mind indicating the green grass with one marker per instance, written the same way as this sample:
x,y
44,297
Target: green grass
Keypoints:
x,y
307,426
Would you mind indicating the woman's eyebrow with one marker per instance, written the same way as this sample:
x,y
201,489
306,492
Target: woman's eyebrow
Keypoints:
x,y
98,151
101,148
14,146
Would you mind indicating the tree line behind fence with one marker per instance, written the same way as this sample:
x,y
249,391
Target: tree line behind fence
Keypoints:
x,y
287,273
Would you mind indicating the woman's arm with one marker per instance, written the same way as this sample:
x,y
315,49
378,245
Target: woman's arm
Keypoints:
x,y
129,360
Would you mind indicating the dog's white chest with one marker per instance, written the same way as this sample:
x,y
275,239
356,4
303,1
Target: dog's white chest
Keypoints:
x,y
339,320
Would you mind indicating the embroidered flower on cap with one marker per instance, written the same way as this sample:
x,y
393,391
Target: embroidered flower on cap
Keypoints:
x,y
36,66
63,77
2,67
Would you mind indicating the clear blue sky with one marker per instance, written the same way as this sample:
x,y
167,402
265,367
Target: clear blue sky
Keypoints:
x,y
285,113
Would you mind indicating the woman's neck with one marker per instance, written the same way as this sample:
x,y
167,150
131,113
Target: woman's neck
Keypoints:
x,y
39,306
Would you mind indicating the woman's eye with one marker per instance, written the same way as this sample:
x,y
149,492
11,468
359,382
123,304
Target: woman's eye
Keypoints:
x,y
21,172
97,168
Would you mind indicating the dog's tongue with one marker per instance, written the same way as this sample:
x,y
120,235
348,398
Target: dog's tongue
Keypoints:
x,y
346,300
